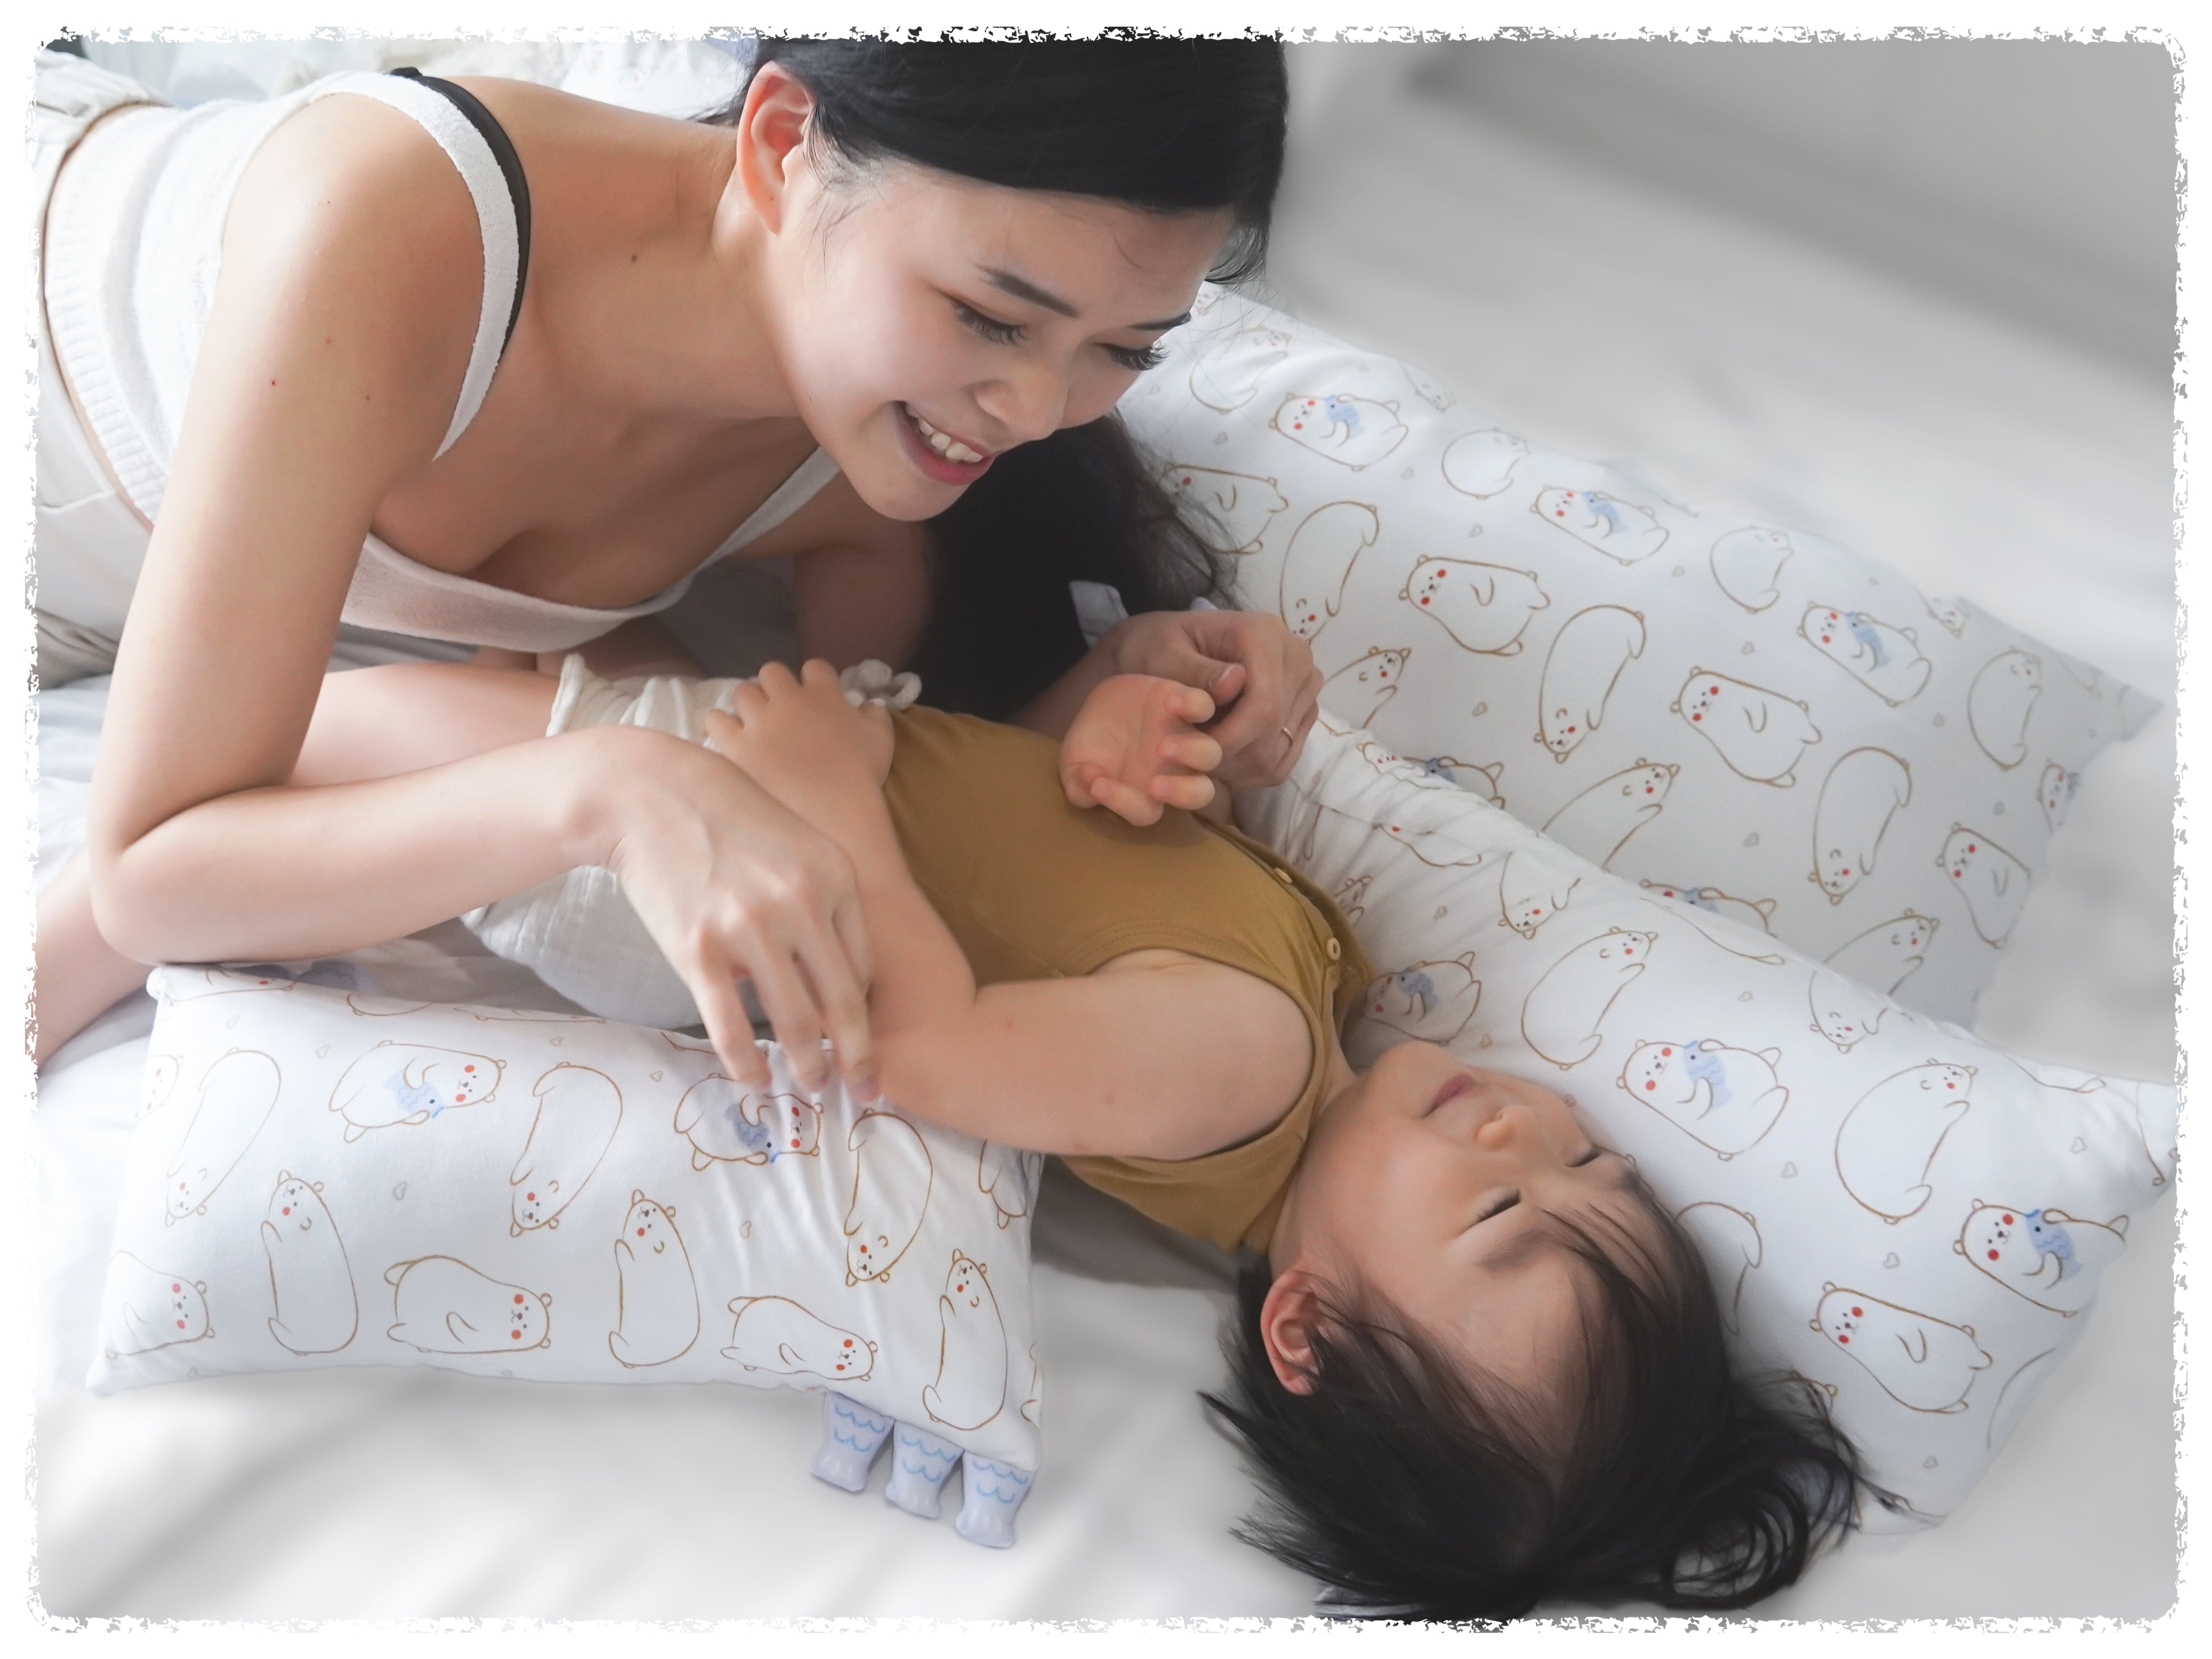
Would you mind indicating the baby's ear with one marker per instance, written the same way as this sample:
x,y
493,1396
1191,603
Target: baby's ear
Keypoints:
x,y
1289,1318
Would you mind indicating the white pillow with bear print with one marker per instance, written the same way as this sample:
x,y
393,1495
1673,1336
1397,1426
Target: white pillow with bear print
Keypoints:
x,y
326,1178
1911,1219
1833,749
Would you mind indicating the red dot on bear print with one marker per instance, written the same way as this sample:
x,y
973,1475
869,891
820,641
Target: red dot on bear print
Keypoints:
x,y
518,1301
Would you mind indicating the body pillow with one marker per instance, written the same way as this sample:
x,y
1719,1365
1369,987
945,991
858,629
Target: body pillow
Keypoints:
x,y
1547,632
1907,1218
326,1178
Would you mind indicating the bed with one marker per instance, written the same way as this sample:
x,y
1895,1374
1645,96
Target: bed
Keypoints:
x,y
1742,371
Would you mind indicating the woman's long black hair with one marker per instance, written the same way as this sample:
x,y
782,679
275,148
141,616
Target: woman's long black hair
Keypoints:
x,y
1164,125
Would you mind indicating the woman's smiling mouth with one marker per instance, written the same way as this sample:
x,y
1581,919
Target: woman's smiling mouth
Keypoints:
x,y
939,455
1457,1084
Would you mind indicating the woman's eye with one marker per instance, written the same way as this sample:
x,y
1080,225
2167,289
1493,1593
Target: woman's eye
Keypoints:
x,y
1589,1157
1137,361
990,328
1500,1207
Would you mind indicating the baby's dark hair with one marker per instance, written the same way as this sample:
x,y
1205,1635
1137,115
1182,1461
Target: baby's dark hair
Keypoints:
x,y
1416,1490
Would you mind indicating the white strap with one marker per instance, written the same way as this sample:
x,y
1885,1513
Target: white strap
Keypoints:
x,y
803,484
496,220
394,592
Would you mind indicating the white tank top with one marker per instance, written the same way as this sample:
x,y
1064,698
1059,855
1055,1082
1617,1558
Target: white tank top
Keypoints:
x,y
134,245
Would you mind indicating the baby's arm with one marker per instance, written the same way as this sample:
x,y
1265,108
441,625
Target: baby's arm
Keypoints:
x,y
1154,1056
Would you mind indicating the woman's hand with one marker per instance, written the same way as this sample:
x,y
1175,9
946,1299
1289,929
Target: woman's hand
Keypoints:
x,y
732,884
1134,748
1256,670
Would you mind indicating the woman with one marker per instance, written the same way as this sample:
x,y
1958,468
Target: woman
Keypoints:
x,y
502,367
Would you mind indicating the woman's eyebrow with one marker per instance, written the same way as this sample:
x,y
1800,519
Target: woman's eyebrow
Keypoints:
x,y
1022,288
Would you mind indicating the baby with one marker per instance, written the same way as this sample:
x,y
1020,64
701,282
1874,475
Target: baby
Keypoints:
x,y
1477,1363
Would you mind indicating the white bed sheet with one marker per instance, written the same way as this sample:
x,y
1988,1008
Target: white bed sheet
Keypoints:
x,y
1744,372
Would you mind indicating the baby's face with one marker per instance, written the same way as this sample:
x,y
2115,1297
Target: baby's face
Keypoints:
x,y
1427,1181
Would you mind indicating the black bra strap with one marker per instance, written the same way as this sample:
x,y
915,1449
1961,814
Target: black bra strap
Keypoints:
x,y
510,166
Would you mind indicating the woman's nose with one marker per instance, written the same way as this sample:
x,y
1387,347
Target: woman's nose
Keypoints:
x,y
1503,1128
1028,402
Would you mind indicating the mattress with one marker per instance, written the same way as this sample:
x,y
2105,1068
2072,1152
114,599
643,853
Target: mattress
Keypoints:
x,y
1743,372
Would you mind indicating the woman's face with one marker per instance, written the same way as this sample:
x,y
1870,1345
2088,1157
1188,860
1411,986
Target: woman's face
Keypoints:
x,y
927,323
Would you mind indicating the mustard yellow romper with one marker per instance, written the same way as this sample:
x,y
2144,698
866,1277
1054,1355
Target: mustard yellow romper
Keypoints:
x,y
1033,888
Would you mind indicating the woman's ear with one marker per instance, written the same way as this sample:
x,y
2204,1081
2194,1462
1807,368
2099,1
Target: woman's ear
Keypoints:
x,y
1288,1318
771,135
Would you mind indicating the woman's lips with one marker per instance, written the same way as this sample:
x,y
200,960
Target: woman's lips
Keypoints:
x,y
941,467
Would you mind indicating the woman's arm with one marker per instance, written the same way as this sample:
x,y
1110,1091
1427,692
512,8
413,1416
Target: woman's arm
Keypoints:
x,y
1156,1055
334,354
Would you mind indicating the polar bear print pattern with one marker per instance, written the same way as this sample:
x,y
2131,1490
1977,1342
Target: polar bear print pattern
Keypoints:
x,y
577,1110
726,1122
161,1083
1565,1008
1889,1141
309,1273
1886,660
1481,780
1725,1099
1952,614
1849,997
658,1296
2000,701
1353,432
1240,504
892,1176
1531,890
221,982
1887,954
1598,822
2054,793
1620,530
774,1333
1729,1240
1583,665
440,1305
1747,563
1225,379
1481,463
1861,796
397,1083
1356,692
1752,913
1324,547
2046,1255
236,1096
1431,1001
152,1309
1484,607
1759,733
1439,398
971,1356
1003,1174
1921,1362
1992,881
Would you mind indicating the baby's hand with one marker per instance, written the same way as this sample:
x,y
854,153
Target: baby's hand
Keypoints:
x,y
798,739
1134,750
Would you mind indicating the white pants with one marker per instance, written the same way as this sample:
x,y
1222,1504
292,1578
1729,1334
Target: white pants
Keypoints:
x,y
577,932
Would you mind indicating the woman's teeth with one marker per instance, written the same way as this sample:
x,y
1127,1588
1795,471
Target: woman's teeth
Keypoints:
x,y
952,448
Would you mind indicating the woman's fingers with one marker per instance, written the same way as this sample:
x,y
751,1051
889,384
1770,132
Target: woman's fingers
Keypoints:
x,y
791,1014
843,1010
729,1028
